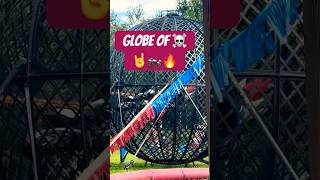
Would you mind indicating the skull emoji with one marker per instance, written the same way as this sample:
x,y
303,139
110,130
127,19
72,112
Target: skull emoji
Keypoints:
x,y
179,40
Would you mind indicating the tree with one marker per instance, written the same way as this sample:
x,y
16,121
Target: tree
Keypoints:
x,y
158,14
191,9
135,14
115,25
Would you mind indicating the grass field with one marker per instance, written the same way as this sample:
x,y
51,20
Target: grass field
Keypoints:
x,y
139,164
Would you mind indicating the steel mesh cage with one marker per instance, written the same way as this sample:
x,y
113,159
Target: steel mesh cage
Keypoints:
x,y
242,150
63,77
180,136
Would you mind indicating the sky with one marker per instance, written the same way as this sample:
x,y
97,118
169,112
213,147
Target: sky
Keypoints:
x,y
150,7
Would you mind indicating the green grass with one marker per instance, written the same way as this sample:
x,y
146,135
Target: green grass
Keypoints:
x,y
139,164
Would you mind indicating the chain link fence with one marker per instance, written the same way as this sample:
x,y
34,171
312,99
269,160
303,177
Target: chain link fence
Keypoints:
x,y
242,151
63,76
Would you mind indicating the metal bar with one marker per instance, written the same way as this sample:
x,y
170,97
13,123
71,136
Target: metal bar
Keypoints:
x,y
62,76
195,106
68,75
282,75
276,99
34,25
213,121
263,126
175,126
83,123
116,137
207,52
120,109
31,133
147,135
137,85
311,9
112,86
31,50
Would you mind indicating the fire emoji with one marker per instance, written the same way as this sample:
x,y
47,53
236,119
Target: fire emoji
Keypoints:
x,y
170,62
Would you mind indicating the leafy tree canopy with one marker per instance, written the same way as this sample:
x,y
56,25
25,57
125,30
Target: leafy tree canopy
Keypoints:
x,y
191,9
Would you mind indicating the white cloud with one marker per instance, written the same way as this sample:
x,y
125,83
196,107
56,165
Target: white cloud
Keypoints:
x,y
150,7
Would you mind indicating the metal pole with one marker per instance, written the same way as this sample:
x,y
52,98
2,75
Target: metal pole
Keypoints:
x,y
83,123
31,50
211,121
263,126
195,106
311,11
31,133
276,98
147,135
120,109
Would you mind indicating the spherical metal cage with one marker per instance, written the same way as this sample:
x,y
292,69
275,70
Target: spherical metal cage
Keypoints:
x,y
180,135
